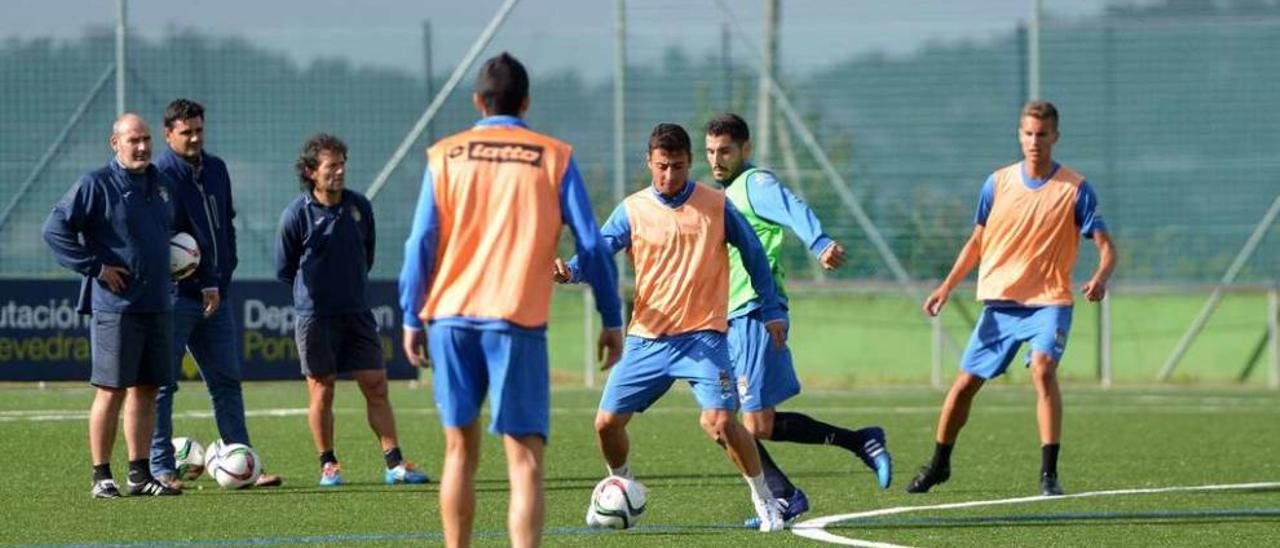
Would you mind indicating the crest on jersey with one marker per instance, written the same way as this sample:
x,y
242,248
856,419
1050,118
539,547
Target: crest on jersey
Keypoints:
x,y
355,213
163,192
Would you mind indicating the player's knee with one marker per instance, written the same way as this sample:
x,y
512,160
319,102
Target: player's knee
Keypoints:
x,y
374,390
322,393
607,425
1044,370
758,427
715,425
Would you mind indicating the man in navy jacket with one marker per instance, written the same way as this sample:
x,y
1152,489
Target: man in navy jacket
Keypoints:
x,y
324,251
113,228
201,323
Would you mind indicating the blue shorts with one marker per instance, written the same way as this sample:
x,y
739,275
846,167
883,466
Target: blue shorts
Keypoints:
x,y
131,349
328,345
510,366
1002,330
650,366
765,374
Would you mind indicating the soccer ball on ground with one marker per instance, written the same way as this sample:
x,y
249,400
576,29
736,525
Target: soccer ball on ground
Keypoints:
x,y
211,455
237,466
616,503
184,255
188,455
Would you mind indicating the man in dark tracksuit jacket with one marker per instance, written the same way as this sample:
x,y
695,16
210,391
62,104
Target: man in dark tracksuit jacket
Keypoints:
x,y
325,251
113,226
202,322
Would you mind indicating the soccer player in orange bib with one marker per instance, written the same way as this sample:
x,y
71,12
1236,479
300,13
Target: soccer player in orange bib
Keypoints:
x,y
476,267
675,233
1028,225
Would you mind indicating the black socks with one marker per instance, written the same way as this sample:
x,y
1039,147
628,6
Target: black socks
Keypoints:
x,y
1049,459
102,471
941,456
327,457
800,428
139,471
392,456
779,485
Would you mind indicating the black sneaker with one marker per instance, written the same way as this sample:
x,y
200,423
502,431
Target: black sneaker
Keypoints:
x,y
875,454
105,489
927,478
151,488
1049,486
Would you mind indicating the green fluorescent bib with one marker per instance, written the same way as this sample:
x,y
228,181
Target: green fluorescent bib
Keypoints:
x,y
770,234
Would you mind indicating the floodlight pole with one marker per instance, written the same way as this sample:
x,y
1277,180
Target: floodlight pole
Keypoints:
x,y
1033,51
1259,232
1273,327
430,113
1105,374
763,143
121,38
939,346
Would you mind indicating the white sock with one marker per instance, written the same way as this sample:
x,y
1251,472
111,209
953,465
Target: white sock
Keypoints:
x,y
759,489
621,471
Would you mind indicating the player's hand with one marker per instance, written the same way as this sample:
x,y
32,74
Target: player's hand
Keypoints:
x,y
1095,290
933,303
212,300
562,274
778,332
609,347
114,277
415,347
832,257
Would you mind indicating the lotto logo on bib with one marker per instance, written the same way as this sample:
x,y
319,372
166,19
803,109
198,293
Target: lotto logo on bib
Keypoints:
x,y
493,151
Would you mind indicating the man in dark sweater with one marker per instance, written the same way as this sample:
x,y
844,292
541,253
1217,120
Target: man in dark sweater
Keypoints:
x,y
202,207
325,251
113,228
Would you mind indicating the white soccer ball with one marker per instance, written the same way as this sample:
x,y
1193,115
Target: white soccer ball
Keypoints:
x,y
237,466
188,455
616,503
184,255
211,455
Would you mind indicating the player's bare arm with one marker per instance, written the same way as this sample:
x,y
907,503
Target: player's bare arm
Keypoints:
x,y
415,347
969,256
609,347
1096,288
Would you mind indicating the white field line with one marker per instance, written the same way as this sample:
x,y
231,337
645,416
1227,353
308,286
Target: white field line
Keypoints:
x,y
46,415
816,528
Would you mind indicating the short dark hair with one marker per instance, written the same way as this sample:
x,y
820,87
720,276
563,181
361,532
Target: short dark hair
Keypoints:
x,y
671,138
309,159
502,85
729,124
182,109
1040,110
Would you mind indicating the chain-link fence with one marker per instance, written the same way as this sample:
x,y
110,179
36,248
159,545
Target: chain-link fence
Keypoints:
x,y
1168,117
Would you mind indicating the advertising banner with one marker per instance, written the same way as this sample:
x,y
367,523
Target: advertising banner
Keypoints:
x,y
42,338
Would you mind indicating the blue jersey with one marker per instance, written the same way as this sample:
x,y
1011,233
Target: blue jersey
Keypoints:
x,y
738,233
326,253
112,217
202,208
423,245
1087,216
